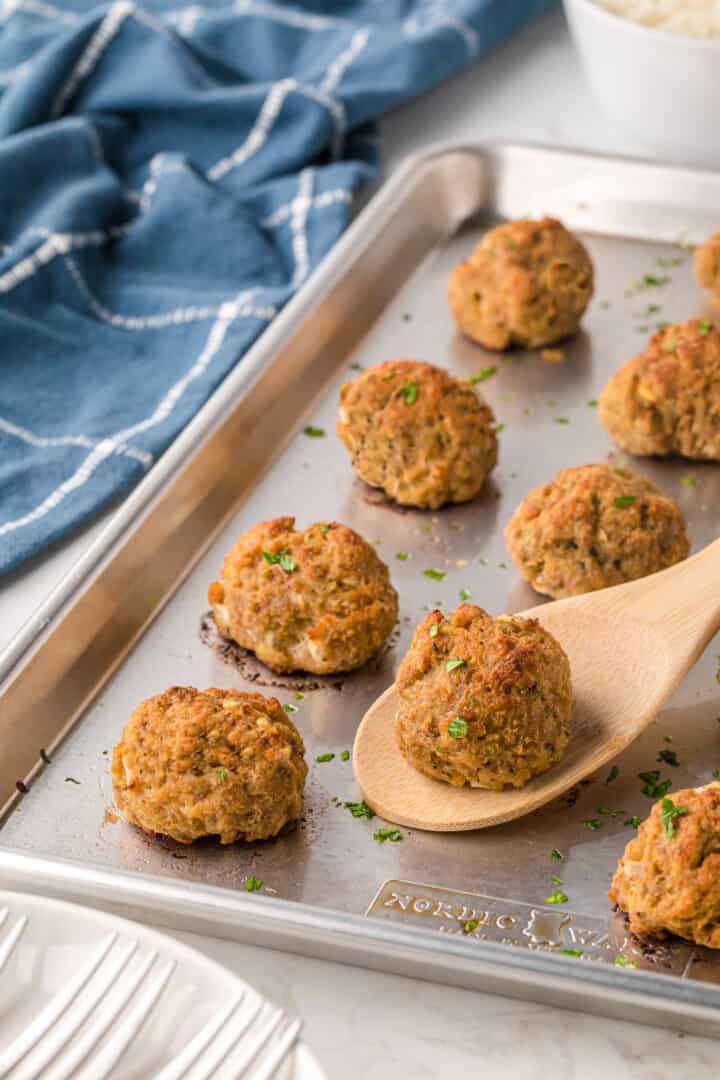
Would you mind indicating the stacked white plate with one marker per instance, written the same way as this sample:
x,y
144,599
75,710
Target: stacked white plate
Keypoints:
x,y
89,996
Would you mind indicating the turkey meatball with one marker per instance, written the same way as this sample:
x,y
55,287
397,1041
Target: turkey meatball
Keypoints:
x,y
319,600
527,283
193,763
483,701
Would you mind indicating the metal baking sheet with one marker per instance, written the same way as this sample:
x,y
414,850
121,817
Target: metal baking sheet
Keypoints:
x,y
127,623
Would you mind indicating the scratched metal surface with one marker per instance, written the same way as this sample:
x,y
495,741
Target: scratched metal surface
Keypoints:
x,y
331,860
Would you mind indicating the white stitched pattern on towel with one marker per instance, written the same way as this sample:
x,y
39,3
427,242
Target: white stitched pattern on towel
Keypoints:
x,y
37,7
55,244
106,447
178,317
326,198
262,127
43,441
342,62
301,206
435,14
92,52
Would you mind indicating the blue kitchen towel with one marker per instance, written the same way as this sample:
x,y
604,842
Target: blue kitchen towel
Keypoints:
x,y
169,175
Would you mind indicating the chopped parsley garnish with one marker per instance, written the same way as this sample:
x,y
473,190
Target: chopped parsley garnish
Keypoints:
x,y
716,774
688,481
674,260
387,834
593,403
572,952
653,786
499,427
222,774
454,662
290,708
436,575
605,811
409,392
45,757
668,812
555,880
281,558
612,775
465,595
344,755
652,281
356,367
652,309
557,897
483,562
634,821
560,420
481,376
322,758
299,696
604,304
622,961
360,809
253,884
591,823
71,780
403,556
705,327
623,501
470,925
314,432
325,529
457,728
669,757
434,629
503,565
556,855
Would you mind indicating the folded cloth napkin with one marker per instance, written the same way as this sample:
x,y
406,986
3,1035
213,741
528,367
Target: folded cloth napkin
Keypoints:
x,y
169,175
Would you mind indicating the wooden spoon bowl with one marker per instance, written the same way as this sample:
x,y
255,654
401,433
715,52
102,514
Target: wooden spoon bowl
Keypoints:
x,y
629,648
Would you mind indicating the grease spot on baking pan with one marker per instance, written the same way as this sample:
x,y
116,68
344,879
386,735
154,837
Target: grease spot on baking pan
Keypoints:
x,y
253,670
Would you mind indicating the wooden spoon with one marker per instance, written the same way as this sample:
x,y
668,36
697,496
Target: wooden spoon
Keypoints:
x,y
629,647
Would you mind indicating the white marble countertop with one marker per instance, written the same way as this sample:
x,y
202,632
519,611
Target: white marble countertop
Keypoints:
x,y
373,1026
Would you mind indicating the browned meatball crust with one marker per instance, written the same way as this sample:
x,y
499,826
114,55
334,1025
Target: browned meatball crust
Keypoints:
x,y
668,880
483,701
319,600
527,283
707,265
421,435
194,763
667,400
594,526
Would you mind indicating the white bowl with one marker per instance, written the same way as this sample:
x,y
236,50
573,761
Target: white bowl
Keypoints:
x,y
662,89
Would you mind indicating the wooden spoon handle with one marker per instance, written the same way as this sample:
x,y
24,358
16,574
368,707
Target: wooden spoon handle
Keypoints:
x,y
682,604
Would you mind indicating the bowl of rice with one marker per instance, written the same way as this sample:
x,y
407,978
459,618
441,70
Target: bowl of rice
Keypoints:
x,y
654,68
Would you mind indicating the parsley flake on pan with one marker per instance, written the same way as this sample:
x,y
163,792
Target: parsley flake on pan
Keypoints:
x,y
572,952
622,961
556,855
387,834
322,758
623,501
314,432
669,757
557,897
668,812
653,786
345,755
470,925
591,823
253,884
436,575
360,809
612,775
481,376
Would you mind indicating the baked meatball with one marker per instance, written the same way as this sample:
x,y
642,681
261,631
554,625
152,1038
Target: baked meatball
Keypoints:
x,y
667,399
594,526
318,600
707,265
527,283
668,880
421,435
194,763
483,701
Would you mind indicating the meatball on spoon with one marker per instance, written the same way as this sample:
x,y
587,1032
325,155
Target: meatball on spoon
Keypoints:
x,y
629,648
